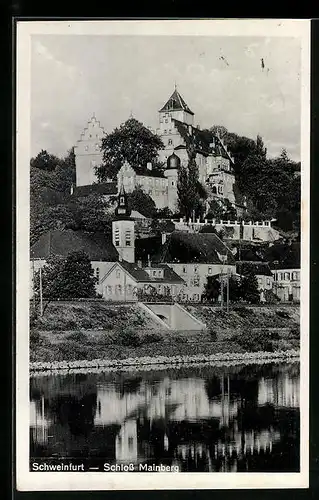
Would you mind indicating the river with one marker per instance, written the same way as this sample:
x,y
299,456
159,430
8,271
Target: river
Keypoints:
x,y
211,419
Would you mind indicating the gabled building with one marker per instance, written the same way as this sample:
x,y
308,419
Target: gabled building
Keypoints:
x,y
284,262
195,257
124,279
98,246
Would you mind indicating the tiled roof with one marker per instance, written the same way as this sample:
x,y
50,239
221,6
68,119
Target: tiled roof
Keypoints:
x,y
176,103
98,246
104,188
144,171
185,247
203,141
141,276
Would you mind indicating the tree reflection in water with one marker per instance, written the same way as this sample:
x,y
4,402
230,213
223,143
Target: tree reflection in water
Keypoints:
x,y
212,419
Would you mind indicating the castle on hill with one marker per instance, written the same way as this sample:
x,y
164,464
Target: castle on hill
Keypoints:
x,y
215,163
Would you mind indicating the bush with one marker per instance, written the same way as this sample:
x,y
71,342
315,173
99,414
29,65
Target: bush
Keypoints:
x,y
34,337
77,337
33,317
150,338
129,338
213,334
283,314
242,311
71,350
295,332
253,341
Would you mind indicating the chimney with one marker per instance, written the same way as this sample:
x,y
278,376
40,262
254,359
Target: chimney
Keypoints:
x,y
139,264
149,165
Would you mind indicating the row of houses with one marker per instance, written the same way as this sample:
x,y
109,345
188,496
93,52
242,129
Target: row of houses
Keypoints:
x,y
175,264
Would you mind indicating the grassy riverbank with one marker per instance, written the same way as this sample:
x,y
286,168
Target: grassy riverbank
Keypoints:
x,y
89,330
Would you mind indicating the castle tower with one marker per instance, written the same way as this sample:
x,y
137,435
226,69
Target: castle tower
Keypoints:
x,y
171,173
176,108
88,152
123,234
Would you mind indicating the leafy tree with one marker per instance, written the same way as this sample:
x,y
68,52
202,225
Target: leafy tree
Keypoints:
x,y
249,288
216,210
219,130
92,214
130,142
164,213
235,289
55,217
65,173
45,161
65,278
141,202
212,289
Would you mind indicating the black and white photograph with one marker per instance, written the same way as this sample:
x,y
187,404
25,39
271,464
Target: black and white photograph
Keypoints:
x,y
162,254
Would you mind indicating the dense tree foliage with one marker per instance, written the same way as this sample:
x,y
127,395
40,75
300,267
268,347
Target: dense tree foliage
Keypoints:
x,y
241,288
53,207
130,142
221,209
271,185
212,289
141,202
45,161
64,278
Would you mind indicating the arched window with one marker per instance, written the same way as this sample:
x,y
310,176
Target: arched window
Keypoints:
x,y
214,190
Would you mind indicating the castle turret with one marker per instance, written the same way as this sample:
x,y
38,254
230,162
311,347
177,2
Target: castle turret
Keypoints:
x,y
123,233
171,173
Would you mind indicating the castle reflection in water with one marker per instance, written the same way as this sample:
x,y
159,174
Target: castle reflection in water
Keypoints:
x,y
211,419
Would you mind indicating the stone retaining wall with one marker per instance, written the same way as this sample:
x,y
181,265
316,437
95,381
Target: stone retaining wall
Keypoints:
x,y
157,362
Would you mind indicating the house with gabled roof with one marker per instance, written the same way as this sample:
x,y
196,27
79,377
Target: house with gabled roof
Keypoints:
x,y
98,246
124,279
195,257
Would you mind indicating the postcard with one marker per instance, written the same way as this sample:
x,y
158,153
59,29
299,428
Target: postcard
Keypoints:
x,y
162,210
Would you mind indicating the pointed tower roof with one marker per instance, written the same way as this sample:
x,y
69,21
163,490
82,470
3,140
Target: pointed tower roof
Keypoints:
x,y
176,103
122,210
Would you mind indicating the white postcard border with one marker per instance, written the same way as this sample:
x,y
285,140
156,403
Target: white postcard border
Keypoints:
x,y
57,481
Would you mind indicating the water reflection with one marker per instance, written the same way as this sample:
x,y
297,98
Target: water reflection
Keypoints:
x,y
212,419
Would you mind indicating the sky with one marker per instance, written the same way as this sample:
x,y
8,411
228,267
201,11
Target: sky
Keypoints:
x,y
249,85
